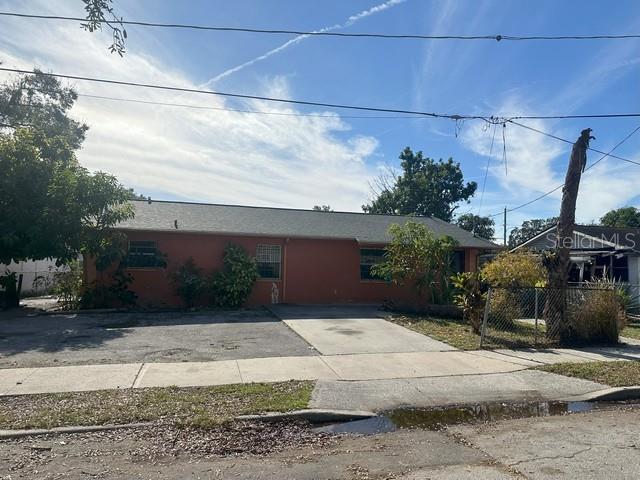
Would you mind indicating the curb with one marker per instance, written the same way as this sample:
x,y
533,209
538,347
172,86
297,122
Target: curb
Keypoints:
x,y
89,311
6,434
616,394
312,415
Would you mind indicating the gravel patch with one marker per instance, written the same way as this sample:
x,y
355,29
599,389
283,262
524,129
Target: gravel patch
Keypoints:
x,y
158,443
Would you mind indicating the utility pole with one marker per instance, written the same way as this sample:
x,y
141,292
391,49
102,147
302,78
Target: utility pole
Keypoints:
x,y
504,227
558,264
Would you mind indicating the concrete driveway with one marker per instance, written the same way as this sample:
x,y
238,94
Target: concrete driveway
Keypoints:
x,y
80,339
340,330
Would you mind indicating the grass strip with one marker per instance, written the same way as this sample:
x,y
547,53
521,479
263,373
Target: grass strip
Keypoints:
x,y
188,407
614,373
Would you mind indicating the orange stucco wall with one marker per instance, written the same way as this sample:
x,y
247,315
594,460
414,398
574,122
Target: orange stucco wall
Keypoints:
x,y
313,270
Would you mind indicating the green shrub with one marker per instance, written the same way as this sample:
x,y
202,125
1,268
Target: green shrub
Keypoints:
x,y
115,294
67,286
521,268
9,290
189,282
230,287
416,257
469,296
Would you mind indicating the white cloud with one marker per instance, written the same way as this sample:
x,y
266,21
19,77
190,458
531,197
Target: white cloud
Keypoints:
x,y
531,172
205,155
529,155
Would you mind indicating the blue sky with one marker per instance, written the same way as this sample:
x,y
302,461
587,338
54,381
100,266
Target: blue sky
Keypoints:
x,y
217,156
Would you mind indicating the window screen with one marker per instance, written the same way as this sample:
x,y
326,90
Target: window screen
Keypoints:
x,y
620,269
143,254
368,258
268,260
457,261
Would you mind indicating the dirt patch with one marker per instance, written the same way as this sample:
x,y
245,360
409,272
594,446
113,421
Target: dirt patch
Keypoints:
x,y
158,443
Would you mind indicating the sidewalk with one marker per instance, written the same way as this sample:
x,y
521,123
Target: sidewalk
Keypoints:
x,y
353,367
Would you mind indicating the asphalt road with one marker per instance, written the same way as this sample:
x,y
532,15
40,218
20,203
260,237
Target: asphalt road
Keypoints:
x,y
594,445
77,339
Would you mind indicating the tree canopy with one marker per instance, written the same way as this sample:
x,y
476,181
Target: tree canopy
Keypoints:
x,y
418,258
322,208
625,217
483,227
51,206
529,229
425,187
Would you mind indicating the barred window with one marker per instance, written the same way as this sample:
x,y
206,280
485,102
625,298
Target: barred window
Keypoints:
x,y
268,260
368,258
143,254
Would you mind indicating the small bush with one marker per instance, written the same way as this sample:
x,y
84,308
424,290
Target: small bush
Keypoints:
x,y
116,294
67,286
470,298
506,307
597,314
189,282
231,286
9,290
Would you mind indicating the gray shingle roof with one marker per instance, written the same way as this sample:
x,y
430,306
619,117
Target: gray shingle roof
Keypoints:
x,y
282,222
622,237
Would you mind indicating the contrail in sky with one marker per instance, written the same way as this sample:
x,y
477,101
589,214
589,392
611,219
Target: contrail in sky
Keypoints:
x,y
350,21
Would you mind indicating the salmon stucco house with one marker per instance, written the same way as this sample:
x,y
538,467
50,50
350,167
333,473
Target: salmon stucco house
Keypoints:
x,y
303,256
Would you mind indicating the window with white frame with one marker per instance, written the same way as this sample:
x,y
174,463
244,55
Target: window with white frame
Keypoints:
x,y
268,258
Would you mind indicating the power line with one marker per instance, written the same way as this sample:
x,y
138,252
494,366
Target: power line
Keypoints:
x,y
486,170
486,118
250,97
259,112
605,155
497,38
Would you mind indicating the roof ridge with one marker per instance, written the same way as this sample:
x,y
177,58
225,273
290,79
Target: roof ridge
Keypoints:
x,y
289,209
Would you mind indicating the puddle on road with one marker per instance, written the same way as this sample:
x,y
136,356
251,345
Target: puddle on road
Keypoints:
x,y
437,418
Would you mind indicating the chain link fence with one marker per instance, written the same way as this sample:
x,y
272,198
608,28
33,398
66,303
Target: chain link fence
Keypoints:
x,y
547,317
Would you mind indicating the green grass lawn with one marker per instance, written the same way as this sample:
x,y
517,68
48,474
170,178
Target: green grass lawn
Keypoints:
x,y
198,407
454,332
631,331
615,374
460,335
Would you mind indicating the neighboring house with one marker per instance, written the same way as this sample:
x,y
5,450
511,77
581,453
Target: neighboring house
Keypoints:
x,y
37,275
303,256
598,252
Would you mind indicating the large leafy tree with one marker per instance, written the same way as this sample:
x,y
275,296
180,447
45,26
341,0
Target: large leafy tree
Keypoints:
x,y
529,229
425,187
418,258
483,227
625,217
50,206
